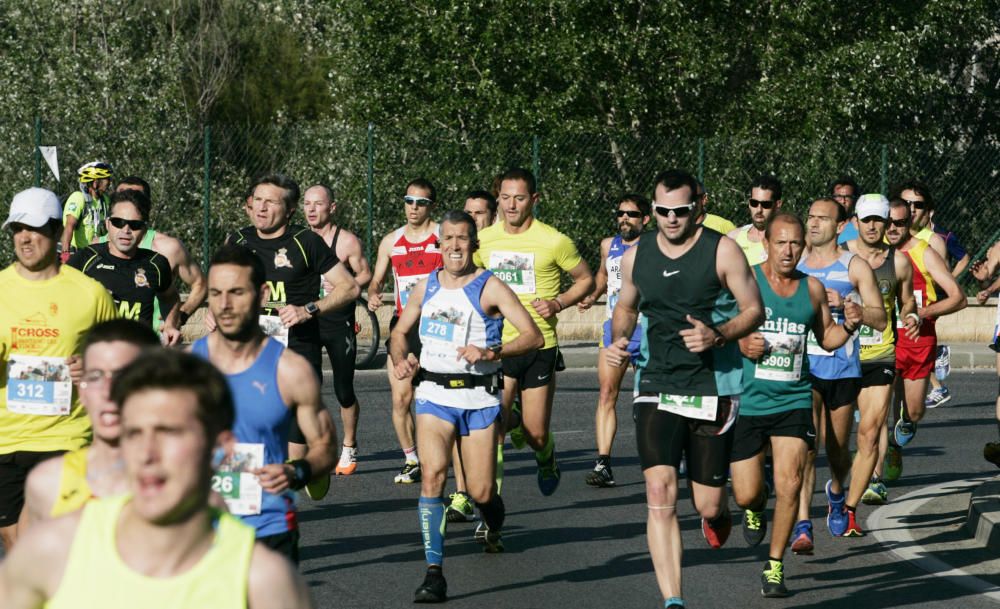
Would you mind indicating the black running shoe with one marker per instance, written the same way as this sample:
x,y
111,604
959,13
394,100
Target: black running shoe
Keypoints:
x,y
600,476
434,589
754,527
772,580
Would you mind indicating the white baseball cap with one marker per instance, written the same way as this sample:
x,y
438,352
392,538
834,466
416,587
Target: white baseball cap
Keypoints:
x,y
34,207
871,205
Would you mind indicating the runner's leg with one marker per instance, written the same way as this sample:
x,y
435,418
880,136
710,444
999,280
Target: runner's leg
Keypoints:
x,y
873,402
663,533
789,460
838,450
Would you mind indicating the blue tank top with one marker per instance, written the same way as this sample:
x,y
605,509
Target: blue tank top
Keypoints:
x,y
262,417
845,362
613,266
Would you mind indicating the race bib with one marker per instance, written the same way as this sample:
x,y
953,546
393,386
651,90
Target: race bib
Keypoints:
x,y
405,284
38,385
274,327
445,325
516,269
703,407
918,297
813,348
869,336
784,360
239,488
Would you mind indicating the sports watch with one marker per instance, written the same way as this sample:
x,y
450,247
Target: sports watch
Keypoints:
x,y
312,309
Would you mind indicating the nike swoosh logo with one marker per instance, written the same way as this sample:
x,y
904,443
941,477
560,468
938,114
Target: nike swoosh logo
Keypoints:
x,y
542,378
666,274
716,477
811,435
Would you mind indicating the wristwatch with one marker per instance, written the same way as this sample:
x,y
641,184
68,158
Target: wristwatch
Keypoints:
x,y
496,349
312,309
719,339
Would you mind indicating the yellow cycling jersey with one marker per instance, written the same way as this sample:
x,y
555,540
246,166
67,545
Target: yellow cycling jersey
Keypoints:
x,y
74,491
90,214
41,324
531,264
97,577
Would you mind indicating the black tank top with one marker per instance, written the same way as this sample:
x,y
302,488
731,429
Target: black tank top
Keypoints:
x,y
337,317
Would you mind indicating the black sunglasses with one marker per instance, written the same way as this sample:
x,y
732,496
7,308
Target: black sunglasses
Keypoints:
x,y
122,223
916,204
631,213
754,204
682,211
900,223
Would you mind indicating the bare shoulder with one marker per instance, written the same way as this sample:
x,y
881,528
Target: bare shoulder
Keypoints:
x,y
817,291
42,486
48,543
274,582
295,375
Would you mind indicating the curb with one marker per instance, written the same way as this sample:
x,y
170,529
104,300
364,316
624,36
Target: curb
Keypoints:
x,y
984,515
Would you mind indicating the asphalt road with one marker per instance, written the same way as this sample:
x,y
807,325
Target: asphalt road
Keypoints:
x,y
585,547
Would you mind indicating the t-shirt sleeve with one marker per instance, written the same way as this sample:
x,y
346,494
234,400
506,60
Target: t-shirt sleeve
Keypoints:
x,y
477,259
166,277
74,205
566,254
955,248
317,250
104,308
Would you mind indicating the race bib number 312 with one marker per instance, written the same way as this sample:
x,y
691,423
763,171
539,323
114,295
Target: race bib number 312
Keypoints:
x,y
38,385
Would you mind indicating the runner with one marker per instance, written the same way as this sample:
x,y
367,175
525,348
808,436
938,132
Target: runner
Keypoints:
x,y
936,294
181,263
458,310
632,214
134,276
894,276
983,271
45,309
529,256
687,283
482,206
85,211
271,385
294,260
776,403
918,196
835,375
765,200
336,328
66,483
161,545
413,251
844,190
712,221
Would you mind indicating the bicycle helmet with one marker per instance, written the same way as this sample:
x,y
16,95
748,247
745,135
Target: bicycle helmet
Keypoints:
x,y
97,170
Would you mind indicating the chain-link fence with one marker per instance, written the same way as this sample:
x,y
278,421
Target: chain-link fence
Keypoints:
x,y
199,175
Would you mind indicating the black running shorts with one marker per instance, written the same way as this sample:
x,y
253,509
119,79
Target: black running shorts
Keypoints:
x,y
532,369
752,433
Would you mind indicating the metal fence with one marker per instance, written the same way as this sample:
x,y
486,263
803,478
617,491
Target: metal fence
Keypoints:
x,y
199,174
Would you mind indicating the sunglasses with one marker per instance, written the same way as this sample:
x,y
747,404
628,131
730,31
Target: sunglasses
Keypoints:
x,y
122,223
916,204
682,211
628,212
754,204
418,201
900,223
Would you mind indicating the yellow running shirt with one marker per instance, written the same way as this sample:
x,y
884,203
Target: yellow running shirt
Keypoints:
x,y
718,224
41,324
96,576
74,492
753,250
530,263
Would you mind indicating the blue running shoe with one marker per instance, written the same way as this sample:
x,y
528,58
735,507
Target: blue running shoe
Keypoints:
x,y
548,475
836,519
904,431
802,538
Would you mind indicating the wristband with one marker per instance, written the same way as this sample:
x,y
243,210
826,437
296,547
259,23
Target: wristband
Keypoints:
x,y
184,317
302,474
850,330
559,302
914,316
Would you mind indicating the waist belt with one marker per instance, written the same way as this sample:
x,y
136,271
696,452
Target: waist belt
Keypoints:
x,y
491,382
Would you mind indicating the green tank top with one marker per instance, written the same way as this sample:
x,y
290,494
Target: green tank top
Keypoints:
x,y
96,577
881,346
779,381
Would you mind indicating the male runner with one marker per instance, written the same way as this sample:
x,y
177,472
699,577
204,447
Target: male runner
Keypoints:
x,y
835,375
712,221
295,258
134,276
765,200
894,276
482,206
66,483
181,263
936,293
45,309
161,545
271,385
458,314
632,214
85,210
529,256
844,190
336,328
697,296
776,403
414,252
958,261
983,271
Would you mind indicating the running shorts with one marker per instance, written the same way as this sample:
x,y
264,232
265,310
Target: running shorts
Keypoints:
x,y
633,343
836,393
877,374
14,470
915,361
751,433
532,369
465,420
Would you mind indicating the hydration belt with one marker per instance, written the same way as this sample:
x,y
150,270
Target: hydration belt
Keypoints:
x,y
492,382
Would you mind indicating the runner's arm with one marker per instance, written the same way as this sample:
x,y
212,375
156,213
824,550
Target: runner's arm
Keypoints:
x,y
69,225
938,245
583,284
355,258
274,583
40,492
863,279
955,300
600,278
626,313
23,584
186,268
399,347
735,274
829,334
379,273
345,289
498,296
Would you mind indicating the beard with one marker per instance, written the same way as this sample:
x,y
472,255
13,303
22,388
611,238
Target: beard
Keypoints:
x,y
628,232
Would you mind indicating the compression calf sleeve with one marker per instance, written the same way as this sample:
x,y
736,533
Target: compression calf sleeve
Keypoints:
x,y
493,512
432,526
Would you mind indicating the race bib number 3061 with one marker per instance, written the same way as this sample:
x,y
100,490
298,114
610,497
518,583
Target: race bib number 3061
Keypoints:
x,y
38,385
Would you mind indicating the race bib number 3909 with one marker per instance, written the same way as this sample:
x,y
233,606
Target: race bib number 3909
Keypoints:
x,y
39,385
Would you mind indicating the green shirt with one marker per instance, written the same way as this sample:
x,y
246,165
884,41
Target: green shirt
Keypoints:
x,y
90,214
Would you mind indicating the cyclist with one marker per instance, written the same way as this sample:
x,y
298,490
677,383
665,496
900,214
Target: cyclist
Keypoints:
x,y
85,210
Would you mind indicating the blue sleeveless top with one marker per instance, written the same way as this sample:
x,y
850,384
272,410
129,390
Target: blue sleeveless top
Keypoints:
x,y
262,417
845,362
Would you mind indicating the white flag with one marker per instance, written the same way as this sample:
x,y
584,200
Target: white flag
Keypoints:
x,y
51,159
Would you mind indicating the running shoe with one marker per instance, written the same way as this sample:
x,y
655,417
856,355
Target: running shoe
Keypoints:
x,y
317,489
991,452
876,493
802,537
836,518
348,461
517,438
937,397
942,363
548,475
904,431
434,589
409,474
772,580
460,508
853,528
491,540
754,527
716,535
892,468
601,476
